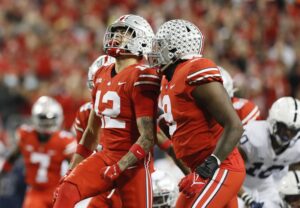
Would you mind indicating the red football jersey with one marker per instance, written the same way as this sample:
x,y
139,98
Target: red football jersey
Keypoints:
x,y
246,110
43,160
81,119
194,132
119,100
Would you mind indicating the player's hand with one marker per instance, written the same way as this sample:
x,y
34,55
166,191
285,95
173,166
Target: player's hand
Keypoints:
x,y
250,202
192,184
208,168
55,193
110,173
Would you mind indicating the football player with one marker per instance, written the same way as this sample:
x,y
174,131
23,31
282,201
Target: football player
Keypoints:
x,y
44,147
109,199
124,107
268,148
204,126
289,188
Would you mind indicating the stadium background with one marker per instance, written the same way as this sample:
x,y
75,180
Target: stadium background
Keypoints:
x,y
46,47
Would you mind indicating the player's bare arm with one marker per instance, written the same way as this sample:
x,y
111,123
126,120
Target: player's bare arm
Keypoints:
x,y
146,141
213,97
89,138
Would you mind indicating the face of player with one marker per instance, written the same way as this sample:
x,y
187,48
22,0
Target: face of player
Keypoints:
x,y
285,133
121,36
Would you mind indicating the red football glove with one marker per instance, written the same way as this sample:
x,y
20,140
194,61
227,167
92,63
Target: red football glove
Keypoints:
x,y
55,193
192,184
110,173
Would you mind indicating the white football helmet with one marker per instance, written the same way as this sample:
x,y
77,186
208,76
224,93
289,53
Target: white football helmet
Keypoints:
x,y
47,115
227,81
284,115
135,40
289,188
176,39
103,60
165,190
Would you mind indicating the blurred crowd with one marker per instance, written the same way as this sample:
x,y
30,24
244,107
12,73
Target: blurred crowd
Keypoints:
x,y
46,46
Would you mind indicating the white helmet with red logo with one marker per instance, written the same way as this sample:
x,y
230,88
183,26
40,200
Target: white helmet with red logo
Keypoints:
x,y
135,38
47,115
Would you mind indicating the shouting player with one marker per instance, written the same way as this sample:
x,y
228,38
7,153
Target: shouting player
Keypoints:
x,y
44,147
204,126
109,199
124,107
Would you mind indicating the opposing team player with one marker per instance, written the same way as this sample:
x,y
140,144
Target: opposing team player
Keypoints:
x,y
44,147
268,148
125,104
246,110
204,126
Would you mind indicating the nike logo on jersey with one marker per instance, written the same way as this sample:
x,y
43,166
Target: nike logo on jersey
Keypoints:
x,y
139,152
172,86
121,83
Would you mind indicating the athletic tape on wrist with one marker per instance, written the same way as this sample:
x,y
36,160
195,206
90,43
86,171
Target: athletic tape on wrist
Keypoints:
x,y
138,151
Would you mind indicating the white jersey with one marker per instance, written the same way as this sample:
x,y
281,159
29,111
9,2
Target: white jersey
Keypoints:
x,y
263,166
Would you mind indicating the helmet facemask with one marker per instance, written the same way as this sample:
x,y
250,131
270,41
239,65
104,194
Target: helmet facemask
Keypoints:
x,y
129,35
284,122
162,54
118,40
47,115
164,199
283,134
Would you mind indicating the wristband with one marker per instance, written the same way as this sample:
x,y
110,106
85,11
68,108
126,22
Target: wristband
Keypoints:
x,y
83,151
166,144
138,151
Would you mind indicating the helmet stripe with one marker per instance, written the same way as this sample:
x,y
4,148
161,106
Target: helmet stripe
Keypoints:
x,y
296,177
296,108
